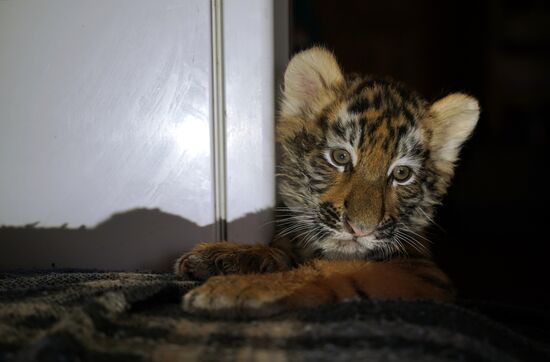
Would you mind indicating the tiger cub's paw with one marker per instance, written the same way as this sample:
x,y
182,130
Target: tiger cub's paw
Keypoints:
x,y
204,261
235,295
209,259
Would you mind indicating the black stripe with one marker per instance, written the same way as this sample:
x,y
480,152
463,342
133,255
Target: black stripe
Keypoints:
x,y
386,144
339,129
362,123
359,105
438,283
323,122
408,115
391,132
304,140
371,129
358,290
377,100
416,150
401,131
365,83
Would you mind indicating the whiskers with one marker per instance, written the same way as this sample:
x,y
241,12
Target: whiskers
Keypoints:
x,y
405,236
300,224
305,227
386,250
430,219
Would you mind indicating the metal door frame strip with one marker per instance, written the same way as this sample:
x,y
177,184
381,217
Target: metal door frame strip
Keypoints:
x,y
218,117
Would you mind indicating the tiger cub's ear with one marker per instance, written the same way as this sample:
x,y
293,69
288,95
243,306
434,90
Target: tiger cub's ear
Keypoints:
x,y
453,118
307,78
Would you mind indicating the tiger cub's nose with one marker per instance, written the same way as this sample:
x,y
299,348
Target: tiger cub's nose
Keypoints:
x,y
355,229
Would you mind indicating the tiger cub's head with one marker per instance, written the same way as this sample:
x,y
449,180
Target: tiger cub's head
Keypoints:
x,y
364,161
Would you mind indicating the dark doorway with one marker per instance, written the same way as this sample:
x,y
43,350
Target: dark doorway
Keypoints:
x,y
493,244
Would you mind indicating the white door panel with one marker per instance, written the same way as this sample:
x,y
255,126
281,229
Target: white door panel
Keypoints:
x,y
105,107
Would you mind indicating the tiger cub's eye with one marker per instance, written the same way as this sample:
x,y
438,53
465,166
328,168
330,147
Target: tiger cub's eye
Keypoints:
x,y
340,157
401,173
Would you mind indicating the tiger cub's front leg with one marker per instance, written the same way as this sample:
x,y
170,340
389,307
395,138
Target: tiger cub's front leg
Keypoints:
x,y
318,283
209,259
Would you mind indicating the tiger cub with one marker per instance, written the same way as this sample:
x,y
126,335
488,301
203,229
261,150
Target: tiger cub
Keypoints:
x,y
364,162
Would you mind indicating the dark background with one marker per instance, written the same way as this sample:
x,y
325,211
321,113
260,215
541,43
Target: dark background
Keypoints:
x,y
492,240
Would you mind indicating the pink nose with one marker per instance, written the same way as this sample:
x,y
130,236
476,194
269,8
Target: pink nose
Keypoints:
x,y
356,230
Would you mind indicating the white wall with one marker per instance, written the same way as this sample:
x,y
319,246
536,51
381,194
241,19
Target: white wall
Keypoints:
x,y
105,109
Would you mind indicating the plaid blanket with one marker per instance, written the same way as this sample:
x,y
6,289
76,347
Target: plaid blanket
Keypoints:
x,y
92,316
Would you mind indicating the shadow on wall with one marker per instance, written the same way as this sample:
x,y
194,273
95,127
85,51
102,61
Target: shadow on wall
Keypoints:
x,y
138,239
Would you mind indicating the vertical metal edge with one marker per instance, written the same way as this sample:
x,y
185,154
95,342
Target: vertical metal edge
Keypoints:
x,y
218,116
